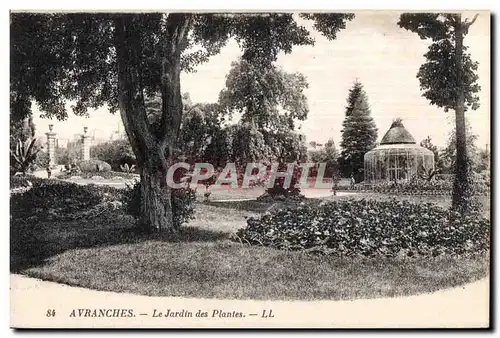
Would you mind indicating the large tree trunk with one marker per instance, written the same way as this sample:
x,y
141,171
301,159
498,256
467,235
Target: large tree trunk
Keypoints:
x,y
153,148
461,184
156,205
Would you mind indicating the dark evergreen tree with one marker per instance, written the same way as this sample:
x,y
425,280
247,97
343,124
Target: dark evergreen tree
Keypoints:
x,y
359,133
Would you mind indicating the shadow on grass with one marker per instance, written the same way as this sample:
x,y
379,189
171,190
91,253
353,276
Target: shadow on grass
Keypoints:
x,y
252,206
32,244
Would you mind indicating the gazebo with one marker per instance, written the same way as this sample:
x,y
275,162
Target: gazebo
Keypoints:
x,y
397,158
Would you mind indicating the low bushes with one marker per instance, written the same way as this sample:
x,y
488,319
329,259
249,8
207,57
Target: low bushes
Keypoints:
x,y
51,198
414,186
94,166
23,181
369,228
116,153
266,197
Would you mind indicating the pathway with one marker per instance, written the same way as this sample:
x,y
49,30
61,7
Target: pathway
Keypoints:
x,y
465,306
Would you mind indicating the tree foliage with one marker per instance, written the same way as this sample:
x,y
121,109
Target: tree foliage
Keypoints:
x,y
269,102
118,60
329,155
265,96
71,153
359,133
21,129
117,153
439,80
449,154
427,143
72,56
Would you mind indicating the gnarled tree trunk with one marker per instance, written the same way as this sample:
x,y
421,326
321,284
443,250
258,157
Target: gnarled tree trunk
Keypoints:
x,y
156,205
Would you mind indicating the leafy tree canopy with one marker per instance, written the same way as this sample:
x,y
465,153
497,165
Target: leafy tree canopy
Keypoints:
x,y
72,56
438,74
266,96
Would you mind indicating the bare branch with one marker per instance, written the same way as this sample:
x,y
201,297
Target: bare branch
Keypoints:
x,y
468,24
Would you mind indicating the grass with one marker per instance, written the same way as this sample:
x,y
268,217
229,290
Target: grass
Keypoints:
x,y
224,269
107,253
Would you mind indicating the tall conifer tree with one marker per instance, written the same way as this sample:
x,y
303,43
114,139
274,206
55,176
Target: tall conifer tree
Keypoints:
x,y
359,133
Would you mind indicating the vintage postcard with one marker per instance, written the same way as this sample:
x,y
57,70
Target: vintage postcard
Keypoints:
x,y
250,169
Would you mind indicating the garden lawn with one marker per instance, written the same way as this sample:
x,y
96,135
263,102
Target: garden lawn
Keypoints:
x,y
106,253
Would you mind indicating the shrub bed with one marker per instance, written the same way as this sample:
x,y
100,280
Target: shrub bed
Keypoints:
x,y
94,166
23,181
369,228
55,199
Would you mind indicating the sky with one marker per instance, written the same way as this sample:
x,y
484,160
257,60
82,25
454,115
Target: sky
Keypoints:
x,y
372,49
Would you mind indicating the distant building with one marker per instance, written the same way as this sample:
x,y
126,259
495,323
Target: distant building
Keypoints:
x,y
313,145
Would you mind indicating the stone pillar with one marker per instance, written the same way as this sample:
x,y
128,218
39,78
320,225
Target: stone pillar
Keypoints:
x,y
85,152
51,146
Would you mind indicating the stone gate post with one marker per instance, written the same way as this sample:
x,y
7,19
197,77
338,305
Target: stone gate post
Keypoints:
x,y
85,151
51,146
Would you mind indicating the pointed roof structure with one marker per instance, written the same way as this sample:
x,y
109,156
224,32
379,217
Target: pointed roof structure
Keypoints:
x,y
397,134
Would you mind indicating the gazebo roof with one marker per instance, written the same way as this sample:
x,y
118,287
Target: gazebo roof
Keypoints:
x,y
397,134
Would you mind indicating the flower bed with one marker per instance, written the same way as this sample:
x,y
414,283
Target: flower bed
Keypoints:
x,y
415,187
369,228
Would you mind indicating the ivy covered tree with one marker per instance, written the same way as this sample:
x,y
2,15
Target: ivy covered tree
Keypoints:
x,y
448,79
359,133
119,59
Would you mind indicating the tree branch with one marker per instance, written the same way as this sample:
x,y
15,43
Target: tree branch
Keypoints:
x,y
176,31
468,24
131,99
